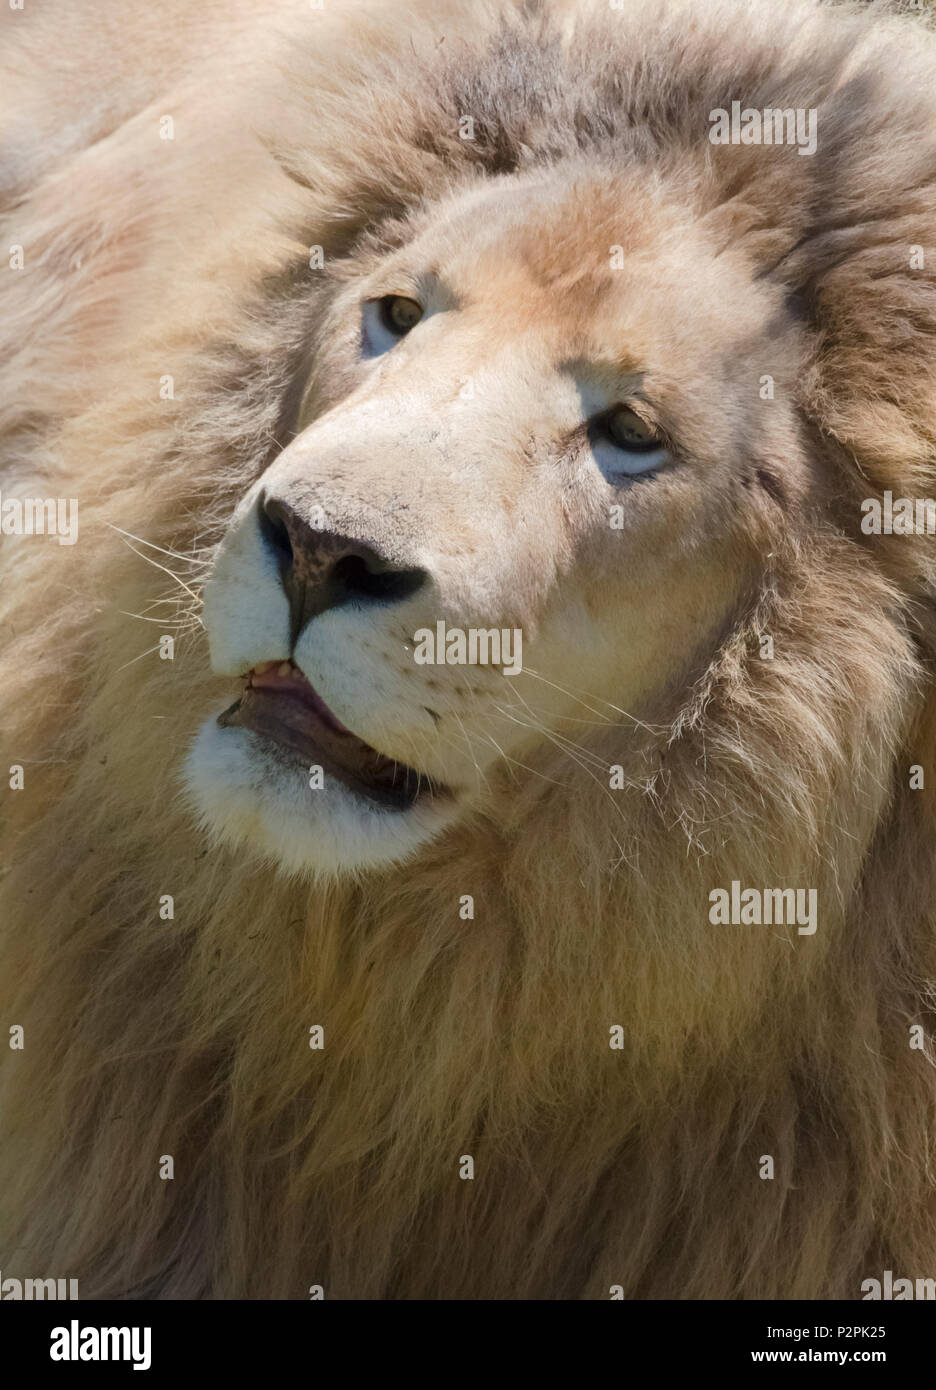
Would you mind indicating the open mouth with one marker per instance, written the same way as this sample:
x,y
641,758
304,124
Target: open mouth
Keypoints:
x,y
281,705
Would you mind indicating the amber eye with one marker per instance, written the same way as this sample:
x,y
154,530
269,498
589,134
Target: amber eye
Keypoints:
x,y
399,314
627,431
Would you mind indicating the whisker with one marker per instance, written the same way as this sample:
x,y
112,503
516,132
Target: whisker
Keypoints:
x,y
137,658
175,554
563,690
155,563
163,622
471,753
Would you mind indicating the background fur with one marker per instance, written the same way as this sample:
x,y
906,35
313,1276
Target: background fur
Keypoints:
x,y
190,1037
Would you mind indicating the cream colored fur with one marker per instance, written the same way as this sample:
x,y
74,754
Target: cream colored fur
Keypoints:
x,y
488,1037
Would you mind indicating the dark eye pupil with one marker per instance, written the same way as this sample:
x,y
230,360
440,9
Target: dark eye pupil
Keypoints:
x,y
628,432
399,314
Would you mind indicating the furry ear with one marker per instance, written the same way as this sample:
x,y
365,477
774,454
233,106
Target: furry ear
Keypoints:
x,y
862,274
865,269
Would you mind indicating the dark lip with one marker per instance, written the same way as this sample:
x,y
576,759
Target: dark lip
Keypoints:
x,y
293,723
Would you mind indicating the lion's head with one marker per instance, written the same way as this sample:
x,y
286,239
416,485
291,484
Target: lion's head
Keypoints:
x,y
511,454
516,430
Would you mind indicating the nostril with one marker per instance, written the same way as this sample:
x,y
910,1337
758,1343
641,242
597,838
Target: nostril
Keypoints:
x,y
275,532
322,569
357,578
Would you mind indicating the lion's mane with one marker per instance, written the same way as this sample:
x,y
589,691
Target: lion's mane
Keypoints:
x,y
636,1166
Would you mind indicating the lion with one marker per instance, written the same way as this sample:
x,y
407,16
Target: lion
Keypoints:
x,y
600,965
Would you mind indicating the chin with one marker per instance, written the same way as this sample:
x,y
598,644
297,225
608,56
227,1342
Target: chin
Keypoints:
x,y
249,793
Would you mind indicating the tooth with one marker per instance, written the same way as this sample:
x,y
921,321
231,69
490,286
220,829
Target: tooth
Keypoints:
x,y
285,669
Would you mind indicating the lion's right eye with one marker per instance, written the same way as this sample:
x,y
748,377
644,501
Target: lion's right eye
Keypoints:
x,y
399,314
387,320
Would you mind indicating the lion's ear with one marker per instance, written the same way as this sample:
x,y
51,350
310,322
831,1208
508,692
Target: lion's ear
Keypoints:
x,y
864,270
862,277
869,293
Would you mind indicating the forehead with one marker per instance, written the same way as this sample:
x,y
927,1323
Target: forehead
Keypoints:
x,y
609,264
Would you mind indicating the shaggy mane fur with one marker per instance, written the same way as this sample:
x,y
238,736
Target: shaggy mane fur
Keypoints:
x,y
190,1037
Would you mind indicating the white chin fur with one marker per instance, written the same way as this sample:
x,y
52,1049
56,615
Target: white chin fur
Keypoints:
x,y
244,797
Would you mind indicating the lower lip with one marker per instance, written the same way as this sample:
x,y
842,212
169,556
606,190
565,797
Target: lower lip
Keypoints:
x,y
294,685
291,721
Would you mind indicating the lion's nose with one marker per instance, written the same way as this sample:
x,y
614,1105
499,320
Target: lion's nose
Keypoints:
x,y
322,569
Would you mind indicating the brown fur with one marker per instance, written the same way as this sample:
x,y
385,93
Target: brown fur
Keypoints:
x,y
594,1167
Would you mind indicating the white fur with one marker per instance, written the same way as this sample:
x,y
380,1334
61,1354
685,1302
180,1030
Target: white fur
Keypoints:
x,y
242,794
241,789
246,610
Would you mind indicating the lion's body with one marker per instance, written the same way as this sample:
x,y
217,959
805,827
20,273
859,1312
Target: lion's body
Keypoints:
x,y
638,1165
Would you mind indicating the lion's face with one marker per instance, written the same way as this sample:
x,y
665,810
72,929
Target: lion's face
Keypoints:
x,y
542,417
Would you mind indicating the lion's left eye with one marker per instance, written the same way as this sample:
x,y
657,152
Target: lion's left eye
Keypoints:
x,y
623,443
627,431
387,320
